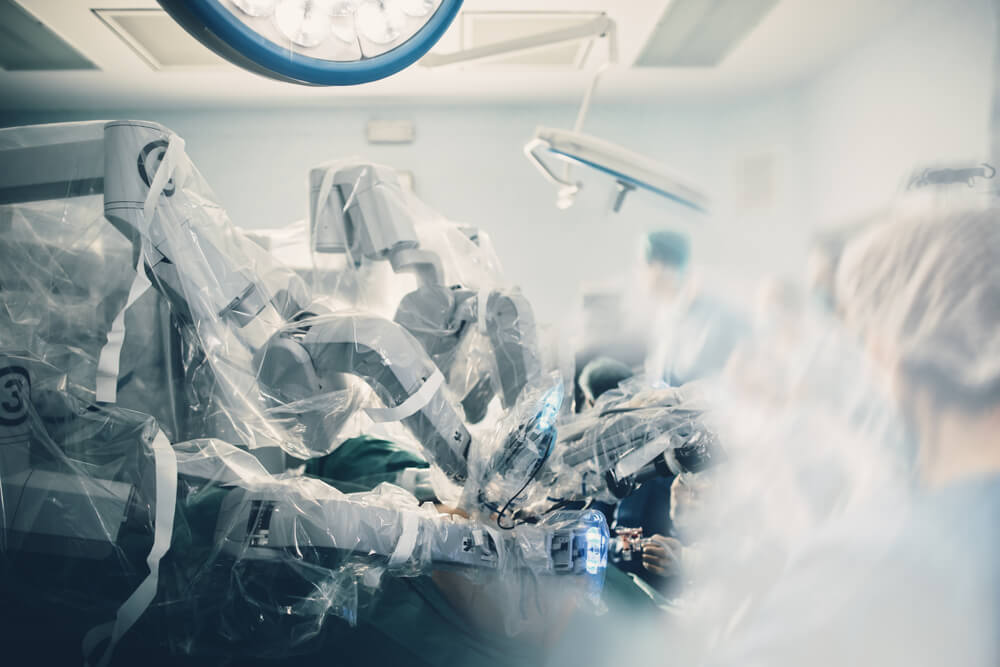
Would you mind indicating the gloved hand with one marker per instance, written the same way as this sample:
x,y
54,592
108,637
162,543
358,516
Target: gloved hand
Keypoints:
x,y
661,555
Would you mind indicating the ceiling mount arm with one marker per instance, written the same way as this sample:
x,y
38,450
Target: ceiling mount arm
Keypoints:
x,y
601,26
588,97
567,187
531,152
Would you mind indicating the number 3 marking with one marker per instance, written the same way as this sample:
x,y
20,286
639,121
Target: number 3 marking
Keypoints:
x,y
15,389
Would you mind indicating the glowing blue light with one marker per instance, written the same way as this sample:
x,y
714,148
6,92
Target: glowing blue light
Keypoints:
x,y
597,555
551,403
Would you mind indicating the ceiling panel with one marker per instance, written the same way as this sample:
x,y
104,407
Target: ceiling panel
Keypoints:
x,y
158,39
486,28
701,33
26,44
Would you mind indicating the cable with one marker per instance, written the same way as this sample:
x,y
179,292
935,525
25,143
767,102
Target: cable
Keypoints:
x,y
531,476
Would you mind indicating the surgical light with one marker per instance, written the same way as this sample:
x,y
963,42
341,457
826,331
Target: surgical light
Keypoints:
x,y
417,8
317,42
256,7
380,21
305,22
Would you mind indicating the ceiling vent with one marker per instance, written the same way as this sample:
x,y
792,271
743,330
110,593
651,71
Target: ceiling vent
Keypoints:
x,y
479,29
701,33
159,40
26,44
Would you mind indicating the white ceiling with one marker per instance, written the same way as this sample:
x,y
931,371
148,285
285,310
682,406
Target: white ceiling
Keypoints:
x,y
797,39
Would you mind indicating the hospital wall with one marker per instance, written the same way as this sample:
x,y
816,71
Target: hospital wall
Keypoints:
x,y
918,94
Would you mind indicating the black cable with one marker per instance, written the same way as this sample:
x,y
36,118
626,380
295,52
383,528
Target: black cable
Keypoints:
x,y
531,476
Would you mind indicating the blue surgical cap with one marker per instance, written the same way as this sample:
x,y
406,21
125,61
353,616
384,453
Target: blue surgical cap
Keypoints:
x,y
667,247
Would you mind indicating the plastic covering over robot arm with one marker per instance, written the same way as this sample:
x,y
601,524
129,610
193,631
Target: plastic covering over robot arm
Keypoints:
x,y
385,356
95,495
83,478
361,211
211,281
632,435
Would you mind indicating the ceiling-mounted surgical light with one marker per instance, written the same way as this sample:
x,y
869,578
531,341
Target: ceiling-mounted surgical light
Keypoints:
x,y
380,22
256,7
317,42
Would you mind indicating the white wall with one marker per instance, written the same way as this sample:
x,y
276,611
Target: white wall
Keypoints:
x,y
916,95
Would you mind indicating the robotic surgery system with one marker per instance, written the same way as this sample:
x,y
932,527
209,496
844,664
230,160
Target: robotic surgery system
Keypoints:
x,y
155,358
632,435
360,210
248,349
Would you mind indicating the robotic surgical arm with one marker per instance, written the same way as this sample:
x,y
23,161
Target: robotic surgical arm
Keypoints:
x,y
211,282
189,250
606,453
630,438
47,506
301,361
360,210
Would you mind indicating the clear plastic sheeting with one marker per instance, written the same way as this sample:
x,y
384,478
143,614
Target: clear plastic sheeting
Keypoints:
x,y
218,296
301,371
631,435
152,355
53,306
81,492
268,558
446,285
257,562
505,469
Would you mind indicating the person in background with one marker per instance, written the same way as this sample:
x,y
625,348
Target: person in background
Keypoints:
x,y
617,323
821,269
825,254
921,587
692,334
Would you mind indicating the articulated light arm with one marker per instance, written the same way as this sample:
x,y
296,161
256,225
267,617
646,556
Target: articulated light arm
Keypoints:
x,y
601,26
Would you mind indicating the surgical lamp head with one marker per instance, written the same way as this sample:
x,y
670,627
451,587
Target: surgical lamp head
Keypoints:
x,y
317,42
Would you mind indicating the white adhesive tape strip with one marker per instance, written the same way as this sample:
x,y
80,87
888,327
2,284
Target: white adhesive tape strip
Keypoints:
x,y
109,359
410,406
137,603
407,539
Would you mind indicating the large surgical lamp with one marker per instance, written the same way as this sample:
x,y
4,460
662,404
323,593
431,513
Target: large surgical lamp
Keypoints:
x,y
555,151
630,170
317,42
